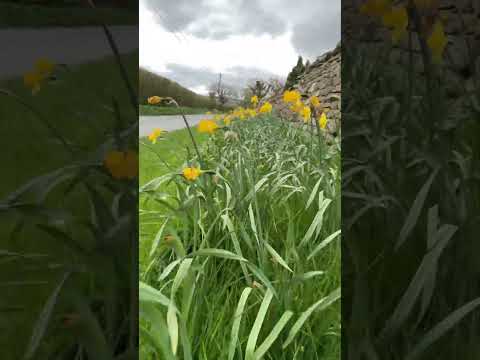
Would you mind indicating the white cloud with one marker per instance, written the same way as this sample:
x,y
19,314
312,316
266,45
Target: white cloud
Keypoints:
x,y
159,47
202,89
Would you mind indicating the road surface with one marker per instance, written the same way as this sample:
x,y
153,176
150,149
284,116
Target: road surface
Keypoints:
x,y
22,47
167,122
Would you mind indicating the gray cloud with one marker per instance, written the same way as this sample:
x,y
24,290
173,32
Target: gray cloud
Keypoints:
x,y
315,24
236,77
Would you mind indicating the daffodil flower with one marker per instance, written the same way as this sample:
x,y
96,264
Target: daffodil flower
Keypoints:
x,y
154,100
121,164
306,113
227,120
191,173
437,41
254,100
397,19
292,96
322,121
297,107
375,7
266,108
156,133
207,126
315,101
42,70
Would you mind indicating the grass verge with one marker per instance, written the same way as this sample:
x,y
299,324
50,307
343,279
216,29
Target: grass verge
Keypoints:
x,y
147,110
245,260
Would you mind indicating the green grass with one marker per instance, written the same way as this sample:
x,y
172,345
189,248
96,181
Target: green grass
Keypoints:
x,y
230,247
164,110
170,150
43,16
79,106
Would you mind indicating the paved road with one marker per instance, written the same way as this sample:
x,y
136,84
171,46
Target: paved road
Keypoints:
x,y
167,122
22,47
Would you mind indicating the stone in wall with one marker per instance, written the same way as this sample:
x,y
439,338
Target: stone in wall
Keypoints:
x,y
323,80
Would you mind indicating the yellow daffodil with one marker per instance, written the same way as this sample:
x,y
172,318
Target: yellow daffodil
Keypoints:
x,y
154,100
375,7
437,41
44,67
322,121
254,100
306,113
191,173
227,120
424,4
33,81
42,70
121,164
397,19
207,126
297,107
154,135
266,108
315,101
291,96
251,112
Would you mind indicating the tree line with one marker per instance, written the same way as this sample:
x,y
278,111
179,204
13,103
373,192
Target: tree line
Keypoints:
x,y
151,84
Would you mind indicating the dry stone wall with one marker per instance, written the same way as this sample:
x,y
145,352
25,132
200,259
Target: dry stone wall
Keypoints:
x,y
322,79
461,19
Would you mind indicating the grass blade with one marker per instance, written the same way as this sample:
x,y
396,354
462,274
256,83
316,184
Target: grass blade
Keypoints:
x,y
42,321
319,305
324,243
257,325
267,343
415,211
236,322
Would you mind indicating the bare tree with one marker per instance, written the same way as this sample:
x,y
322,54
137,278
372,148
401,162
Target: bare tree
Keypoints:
x,y
221,92
260,89
276,86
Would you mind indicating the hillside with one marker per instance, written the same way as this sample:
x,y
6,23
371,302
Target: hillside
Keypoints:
x,y
150,84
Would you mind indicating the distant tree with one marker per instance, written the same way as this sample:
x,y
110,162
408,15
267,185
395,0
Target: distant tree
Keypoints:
x,y
276,86
294,76
260,89
221,91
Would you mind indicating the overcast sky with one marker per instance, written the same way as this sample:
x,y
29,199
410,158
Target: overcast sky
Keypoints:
x,y
192,41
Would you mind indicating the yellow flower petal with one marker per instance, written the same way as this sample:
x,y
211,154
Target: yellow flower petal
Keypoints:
x,y
292,96
266,108
191,173
207,126
315,101
437,41
322,121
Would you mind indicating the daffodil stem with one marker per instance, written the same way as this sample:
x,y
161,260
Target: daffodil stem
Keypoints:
x,y
40,117
189,130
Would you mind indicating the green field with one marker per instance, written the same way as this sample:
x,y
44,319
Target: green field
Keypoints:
x,y
41,231
147,110
256,235
13,15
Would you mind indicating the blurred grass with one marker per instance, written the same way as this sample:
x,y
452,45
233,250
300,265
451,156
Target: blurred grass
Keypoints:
x,y
12,14
78,105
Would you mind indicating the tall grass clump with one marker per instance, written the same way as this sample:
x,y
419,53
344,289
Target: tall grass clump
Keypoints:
x,y
244,262
411,195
